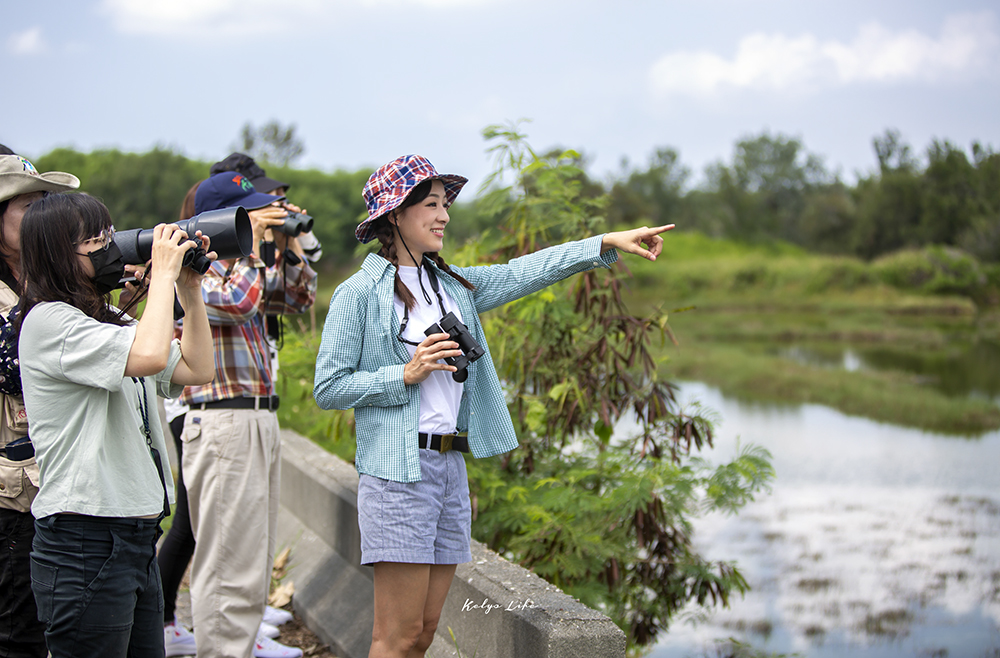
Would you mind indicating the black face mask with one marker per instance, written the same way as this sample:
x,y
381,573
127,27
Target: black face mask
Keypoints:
x,y
109,268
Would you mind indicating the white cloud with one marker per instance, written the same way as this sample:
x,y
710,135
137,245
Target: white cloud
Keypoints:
x,y
29,42
199,18
968,45
221,18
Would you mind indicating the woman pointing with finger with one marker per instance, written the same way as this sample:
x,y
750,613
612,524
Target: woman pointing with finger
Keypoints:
x,y
420,400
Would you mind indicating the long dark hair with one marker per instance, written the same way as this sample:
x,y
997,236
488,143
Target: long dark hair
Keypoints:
x,y
50,269
387,236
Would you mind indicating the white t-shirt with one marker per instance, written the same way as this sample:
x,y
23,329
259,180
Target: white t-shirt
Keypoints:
x,y
84,415
440,394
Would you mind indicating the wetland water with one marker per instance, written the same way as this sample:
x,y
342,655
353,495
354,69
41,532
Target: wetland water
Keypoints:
x,y
971,369
876,540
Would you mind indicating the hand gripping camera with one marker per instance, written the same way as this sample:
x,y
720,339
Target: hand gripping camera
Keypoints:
x,y
228,228
459,333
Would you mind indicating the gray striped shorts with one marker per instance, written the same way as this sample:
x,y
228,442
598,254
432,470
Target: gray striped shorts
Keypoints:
x,y
425,522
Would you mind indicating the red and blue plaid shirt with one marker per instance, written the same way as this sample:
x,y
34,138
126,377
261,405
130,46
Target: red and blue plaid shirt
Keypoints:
x,y
238,295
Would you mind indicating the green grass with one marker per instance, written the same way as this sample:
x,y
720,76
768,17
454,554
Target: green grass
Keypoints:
x,y
740,301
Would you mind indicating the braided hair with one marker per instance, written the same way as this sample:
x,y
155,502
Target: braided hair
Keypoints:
x,y
387,236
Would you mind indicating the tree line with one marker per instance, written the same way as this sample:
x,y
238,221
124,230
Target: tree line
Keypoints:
x,y
772,188
775,189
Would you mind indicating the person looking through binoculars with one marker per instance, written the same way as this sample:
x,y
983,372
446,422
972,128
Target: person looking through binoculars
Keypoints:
x,y
404,347
89,375
232,447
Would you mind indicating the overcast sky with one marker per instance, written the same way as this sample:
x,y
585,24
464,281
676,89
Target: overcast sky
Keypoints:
x,y
367,80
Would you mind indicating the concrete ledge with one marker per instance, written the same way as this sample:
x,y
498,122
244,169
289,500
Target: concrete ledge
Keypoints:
x,y
495,608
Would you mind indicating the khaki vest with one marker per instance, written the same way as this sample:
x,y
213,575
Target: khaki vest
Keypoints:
x,y
18,480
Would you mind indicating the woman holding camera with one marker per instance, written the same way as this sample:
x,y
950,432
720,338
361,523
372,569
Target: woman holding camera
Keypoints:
x,y
89,374
413,417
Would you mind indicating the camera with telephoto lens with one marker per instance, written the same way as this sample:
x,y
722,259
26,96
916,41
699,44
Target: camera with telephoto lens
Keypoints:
x,y
459,333
228,229
295,224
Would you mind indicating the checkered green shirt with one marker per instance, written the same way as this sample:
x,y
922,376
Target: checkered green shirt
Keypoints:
x,y
360,361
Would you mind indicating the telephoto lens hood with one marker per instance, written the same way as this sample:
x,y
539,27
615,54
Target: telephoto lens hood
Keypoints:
x,y
228,229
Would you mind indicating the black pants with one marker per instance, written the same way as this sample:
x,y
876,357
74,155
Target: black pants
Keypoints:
x,y
21,634
97,586
178,545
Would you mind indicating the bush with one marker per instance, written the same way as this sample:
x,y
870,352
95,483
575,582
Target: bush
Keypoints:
x,y
938,270
841,274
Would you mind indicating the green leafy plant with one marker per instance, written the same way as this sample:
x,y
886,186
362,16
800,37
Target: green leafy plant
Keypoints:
x,y
599,511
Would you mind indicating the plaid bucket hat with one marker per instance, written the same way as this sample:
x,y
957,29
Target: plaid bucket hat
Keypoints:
x,y
18,176
391,183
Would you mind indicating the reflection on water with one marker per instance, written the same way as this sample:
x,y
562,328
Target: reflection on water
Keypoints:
x,y
971,369
876,541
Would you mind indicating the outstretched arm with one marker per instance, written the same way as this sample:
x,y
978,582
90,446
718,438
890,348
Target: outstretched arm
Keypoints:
x,y
632,241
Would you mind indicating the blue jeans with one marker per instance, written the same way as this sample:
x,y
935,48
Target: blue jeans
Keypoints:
x,y
97,586
21,634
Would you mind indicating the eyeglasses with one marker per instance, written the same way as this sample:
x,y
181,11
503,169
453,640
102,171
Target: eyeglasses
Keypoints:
x,y
104,239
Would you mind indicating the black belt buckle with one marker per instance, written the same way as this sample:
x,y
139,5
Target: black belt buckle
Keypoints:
x,y
265,403
20,450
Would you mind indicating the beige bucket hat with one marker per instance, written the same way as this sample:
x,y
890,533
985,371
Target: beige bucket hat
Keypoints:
x,y
18,176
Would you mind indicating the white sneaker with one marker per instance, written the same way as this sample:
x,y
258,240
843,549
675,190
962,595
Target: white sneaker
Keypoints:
x,y
265,647
267,630
178,641
277,616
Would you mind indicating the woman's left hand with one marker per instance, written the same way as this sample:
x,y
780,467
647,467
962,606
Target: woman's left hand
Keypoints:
x,y
632,242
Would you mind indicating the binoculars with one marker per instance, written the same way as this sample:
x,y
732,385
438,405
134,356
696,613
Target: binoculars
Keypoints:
x,y
458,332
295,224
228,229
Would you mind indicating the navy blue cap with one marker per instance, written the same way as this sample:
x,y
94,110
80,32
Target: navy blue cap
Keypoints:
x,y
244,164
228,190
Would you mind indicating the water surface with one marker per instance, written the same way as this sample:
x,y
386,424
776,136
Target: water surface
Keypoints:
x,y
876,541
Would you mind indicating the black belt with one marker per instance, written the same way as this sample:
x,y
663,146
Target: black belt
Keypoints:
x,y
265,403
443,442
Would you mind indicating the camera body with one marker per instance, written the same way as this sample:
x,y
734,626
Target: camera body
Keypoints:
x,y
458,332
295,224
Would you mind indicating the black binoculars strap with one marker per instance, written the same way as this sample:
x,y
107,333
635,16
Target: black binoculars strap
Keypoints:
x,y
432,277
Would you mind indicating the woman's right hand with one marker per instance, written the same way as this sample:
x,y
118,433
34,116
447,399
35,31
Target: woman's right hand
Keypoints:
x,y
170,244
264,218
428,357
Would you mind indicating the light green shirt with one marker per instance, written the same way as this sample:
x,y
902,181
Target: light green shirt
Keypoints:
x,y
84,415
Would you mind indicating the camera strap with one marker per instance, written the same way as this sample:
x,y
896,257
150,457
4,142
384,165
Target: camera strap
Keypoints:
x,y
432,277
153,452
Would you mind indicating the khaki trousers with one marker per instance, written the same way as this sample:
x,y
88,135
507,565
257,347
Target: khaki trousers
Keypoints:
x,y
232,471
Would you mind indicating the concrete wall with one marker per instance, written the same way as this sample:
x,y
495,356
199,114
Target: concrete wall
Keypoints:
x,y
495,609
